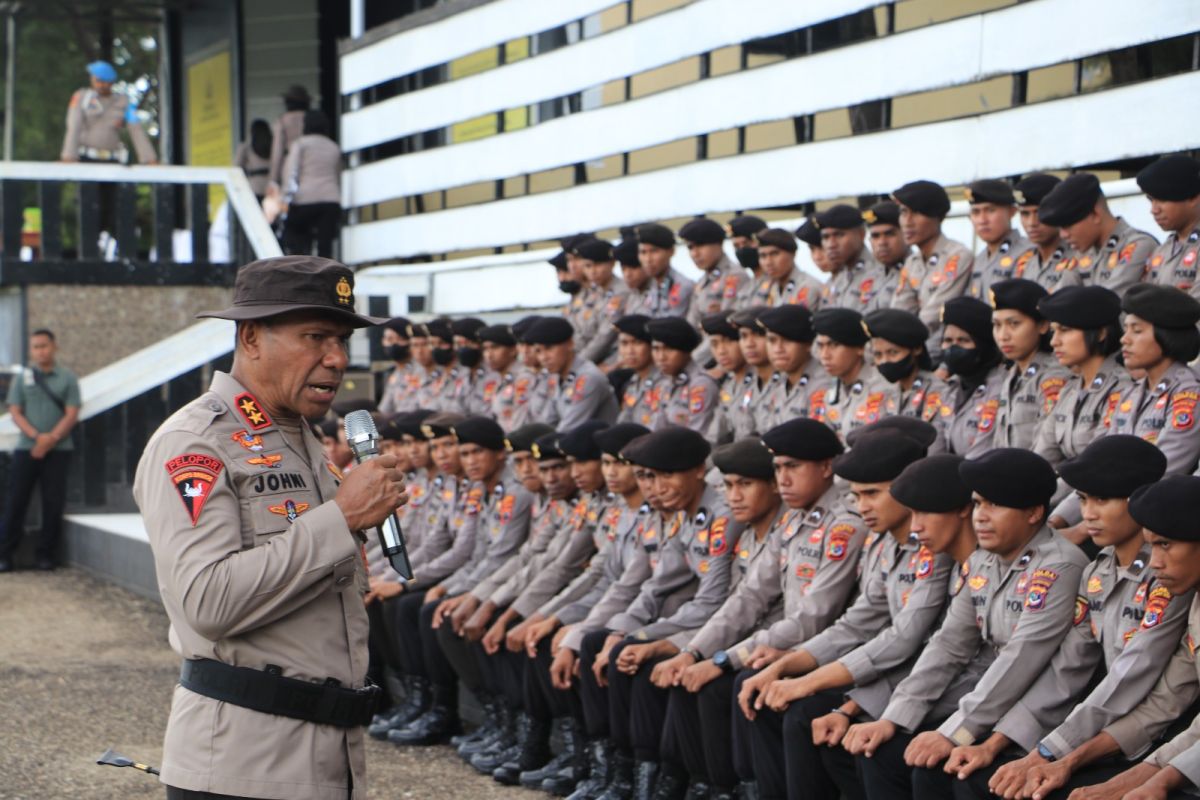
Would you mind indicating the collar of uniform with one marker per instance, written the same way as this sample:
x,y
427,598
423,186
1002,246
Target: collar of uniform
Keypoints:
x,y
1030,552
710,506
1136,567
1194,236
243,402
1169,379
824,507
776,525
937,253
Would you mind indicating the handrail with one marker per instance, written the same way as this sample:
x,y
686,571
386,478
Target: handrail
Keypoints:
x,y
181,352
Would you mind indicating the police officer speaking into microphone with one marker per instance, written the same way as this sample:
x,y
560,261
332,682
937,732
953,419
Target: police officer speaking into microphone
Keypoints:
x,y
257,544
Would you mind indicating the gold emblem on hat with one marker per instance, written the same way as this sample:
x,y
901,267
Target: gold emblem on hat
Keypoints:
x,y
992,297
345,292
869,217
536,451
508,445
970,195
427,431
866,330
1019,196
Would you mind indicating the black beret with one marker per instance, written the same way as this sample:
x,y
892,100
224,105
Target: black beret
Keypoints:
x,y
1087,307
612,440
1169,508
498,334
569,243
792,322
902,328
442,424
440,328
972,315
918,430
674,332
702,230
391,427
841,216
990,191
882,213
593,250
483,431
549,330
400,325
1011,477
1171,178
1162,306
932,485
748,317
521,439
808,232
924,197
468,327
522,326
655,234
329,427
843,325
410,423
344,407
719,325
1113,466
746,225
877,457
1019,295
634,325
559,261
777,237
579,442
804,439
1031,189
545,448
1070,201
747,457
671,449
627,253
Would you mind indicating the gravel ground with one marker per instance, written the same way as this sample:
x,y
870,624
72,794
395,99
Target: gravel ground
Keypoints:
x,y
84,665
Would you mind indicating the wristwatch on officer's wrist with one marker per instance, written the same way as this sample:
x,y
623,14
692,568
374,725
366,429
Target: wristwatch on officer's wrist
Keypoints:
x,y
694,653
1045,753
721,659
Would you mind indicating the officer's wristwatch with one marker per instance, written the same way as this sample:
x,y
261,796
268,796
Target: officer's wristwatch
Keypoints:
x,y
1045,753
721,659
694,653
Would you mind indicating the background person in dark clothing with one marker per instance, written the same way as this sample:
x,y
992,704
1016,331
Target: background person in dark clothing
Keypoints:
x,y
312,189
44,402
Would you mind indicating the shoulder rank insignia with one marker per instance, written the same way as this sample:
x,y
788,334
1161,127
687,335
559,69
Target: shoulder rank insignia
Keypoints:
x,y
251,411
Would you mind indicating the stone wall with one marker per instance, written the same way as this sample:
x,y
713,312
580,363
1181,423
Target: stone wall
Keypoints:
x,y
96,325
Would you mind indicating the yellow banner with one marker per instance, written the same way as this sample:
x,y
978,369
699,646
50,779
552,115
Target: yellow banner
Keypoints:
x,y
210,119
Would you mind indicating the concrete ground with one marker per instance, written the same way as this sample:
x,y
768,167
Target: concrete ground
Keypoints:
x,y
85,665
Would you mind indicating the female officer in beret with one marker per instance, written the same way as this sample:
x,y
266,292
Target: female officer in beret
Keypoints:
x,y
969,354
1033,378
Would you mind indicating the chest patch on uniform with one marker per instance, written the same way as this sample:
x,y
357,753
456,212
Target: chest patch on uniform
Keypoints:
x,y
1095,585
290,509
194,475
924,563
1081,610
251,411
250,441
277,482
265,461
1183,410
839,541
1039,587
717,543
1156,607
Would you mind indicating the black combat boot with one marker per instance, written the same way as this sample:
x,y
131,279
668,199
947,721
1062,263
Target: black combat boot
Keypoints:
x,y
672,783
599,761
532,756
436,725
487,726
569,767
645,776
620,777
500,730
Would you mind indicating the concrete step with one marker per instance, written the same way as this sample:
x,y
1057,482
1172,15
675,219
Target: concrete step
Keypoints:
x,y
113,547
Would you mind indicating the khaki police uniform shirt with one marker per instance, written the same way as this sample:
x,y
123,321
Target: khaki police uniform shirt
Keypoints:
x,y
499,522
1010,618
1173,263
836,403
717,290
781,401
882,398
668,296
696,549
603,306
583,394
864,285
746,415
1124,620
688,399
473,391
796,288
970,417
626,567
925,285
545,518
1174,693
819,549
641,398
903,589
1051,273
452,539
423,516
754,600
95,121
435,389
515,403
575,545
573,602
993,267
721,429
255,566
1120,262
401,387
1026,396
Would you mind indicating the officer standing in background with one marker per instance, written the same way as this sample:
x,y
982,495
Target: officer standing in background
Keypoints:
x,y
669,292
1046,261
603,299
688,393
1172,185
743,231
260,568
858,279
993,207
95,118
783,282
722,282
404,379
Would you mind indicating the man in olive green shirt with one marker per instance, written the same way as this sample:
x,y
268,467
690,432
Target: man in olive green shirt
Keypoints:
x,y
44,402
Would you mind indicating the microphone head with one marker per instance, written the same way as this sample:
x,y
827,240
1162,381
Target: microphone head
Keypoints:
x,y
359,424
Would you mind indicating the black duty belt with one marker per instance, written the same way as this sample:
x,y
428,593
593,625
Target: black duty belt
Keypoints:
x,y
268,691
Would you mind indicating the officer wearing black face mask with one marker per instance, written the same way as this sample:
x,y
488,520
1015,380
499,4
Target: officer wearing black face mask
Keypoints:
x,y
970,357
404,380
743,231
905,384
435,390
471,387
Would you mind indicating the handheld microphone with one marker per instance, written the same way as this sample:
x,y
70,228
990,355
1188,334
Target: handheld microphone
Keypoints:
x,y
363,438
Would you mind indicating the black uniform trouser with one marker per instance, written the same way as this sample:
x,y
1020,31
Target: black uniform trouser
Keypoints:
x,y
698,732
403,614
310,221
461,655
592,696
620,697
175,793
542,700
720,715
647,707
811,771
437,667
885,776
684,736
26,472
378,656
503,675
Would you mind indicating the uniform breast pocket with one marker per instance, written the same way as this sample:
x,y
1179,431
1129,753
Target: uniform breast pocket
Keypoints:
x,y
274,514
